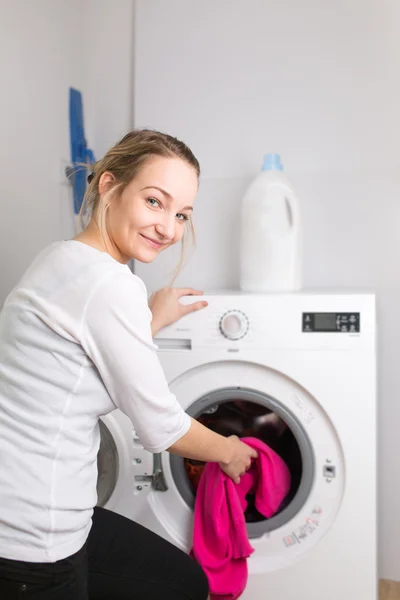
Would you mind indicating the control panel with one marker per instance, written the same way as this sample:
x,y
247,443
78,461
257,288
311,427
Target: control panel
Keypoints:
x,y
237,322
325,322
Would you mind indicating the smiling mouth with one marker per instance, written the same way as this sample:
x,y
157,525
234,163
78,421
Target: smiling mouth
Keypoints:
x,y
153,243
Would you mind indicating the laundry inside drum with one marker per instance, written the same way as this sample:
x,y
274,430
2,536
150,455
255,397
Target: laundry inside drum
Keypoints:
x,y
249,419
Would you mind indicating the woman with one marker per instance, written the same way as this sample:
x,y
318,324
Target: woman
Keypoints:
x,y
76,343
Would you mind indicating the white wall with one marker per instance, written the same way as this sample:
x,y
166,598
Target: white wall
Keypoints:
x,y
318,82
109,79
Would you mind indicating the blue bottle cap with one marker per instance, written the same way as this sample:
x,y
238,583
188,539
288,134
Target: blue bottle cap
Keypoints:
x,y
272,162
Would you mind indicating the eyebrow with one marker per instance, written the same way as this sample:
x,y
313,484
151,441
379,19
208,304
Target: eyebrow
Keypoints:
x,y
166,194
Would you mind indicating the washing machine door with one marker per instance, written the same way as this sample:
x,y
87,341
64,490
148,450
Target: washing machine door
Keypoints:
x,y
107,466
125,469
314,456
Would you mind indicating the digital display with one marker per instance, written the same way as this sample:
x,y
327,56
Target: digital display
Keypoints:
x,y
331,322
325,321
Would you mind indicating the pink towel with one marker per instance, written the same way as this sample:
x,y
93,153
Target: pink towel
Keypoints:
x,y
220,542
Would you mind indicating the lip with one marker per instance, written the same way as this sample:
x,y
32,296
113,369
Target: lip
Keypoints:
x,y
153,243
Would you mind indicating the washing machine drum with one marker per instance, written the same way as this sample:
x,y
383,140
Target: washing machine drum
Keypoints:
x,y
248,413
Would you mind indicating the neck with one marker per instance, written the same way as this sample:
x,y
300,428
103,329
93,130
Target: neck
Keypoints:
x,y
91,236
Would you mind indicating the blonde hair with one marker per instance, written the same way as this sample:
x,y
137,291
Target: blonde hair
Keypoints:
x,y
124,161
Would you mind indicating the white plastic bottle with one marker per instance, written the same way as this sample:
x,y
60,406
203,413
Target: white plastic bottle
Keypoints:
x,y
271,240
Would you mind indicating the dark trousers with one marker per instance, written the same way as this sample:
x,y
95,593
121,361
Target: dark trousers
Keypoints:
x,y
121,560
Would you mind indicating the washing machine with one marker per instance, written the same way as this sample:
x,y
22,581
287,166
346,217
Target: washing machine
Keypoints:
x,y
299,372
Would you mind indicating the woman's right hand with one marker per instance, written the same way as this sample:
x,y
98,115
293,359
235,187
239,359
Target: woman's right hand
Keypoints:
x,y
200,443
241,455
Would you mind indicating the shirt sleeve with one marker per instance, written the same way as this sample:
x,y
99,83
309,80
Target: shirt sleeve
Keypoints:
x,y
116,335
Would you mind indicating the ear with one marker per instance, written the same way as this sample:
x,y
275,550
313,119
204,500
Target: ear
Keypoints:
x,y
106,181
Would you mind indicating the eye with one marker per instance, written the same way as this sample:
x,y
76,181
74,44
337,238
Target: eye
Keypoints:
x,y
153,202
182,217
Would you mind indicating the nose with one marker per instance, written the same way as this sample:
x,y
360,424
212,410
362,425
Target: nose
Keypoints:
x,y
166,226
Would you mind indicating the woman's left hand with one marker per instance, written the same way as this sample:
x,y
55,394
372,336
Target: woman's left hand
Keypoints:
x,y
166,308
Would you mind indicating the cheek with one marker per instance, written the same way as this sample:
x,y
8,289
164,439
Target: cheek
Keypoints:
x,y
118,212
129,218
179,233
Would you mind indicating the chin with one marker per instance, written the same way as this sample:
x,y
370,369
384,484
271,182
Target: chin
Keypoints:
x,y
144,260
145,257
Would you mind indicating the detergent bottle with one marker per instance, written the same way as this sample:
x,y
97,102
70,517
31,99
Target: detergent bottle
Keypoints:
x,y
270,244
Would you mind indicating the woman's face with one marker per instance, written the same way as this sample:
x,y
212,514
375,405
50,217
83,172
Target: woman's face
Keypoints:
x,y
151,213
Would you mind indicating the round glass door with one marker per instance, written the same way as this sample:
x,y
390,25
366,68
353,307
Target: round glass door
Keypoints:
x,y
249,413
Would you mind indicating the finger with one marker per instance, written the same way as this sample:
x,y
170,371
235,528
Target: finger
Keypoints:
x,y
236,480
193,307
188,292
254,454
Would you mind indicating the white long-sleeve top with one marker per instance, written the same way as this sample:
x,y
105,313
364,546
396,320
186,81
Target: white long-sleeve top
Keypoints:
x,y
75,343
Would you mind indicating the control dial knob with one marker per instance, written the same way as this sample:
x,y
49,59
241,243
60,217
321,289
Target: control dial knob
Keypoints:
x,y
234,325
